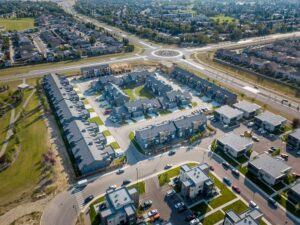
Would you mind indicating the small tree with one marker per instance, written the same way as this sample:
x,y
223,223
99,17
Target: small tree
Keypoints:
x,y
295,123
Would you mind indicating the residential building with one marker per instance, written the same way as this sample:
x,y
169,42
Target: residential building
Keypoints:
x,y
249,109
85,143
157,87
268,169
121,207
95,71
269,121
188,125
251,216
195,181
234,145
228,115
294,193
293,139
174,99
114,95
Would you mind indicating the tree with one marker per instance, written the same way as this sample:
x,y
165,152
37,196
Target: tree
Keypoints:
x,y
92,40
295,123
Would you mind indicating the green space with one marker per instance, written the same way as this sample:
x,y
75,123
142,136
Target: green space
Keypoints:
x,y
239,207
85,101
106,133
288,205
129,92
119,161
194,104
201,208
227,158
165,177
17,24
140,186
94,217
226,194
4,126
115,145
136,145
96,120
91,110
22,177
213,218
143,93
222,18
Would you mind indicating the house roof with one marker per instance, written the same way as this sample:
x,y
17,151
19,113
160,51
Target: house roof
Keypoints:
x,y
152,131
195,175
296,188
229,112
118,198
235,142
296,134
187,121
247,106
271,118
250,216
270,165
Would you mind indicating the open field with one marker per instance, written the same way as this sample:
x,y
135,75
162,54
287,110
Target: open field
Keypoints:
x,y
22,177
222,18
17,24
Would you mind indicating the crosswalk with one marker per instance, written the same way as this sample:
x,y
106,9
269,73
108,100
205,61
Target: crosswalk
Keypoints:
x,y
79,197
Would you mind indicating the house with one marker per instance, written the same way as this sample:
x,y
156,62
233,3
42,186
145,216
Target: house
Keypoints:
x,y
174,99
85,144
249,109
294,193
114,95
234,145
293,139
188,125
95,71
268,169
228,115
156,134
269,121
195,181
121,207
156,87
251,216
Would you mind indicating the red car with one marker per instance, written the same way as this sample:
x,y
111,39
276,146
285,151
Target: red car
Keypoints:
x,y
107,111
236,189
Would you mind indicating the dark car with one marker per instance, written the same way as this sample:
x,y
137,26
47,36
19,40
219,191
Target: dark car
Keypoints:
x,y
236,189
235,172
125,182
227,181
182,209
172,152
273,202
88,199
225,165
190,217
146,204
107,111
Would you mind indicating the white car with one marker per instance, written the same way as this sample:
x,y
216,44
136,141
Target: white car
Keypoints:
x,y
178,205
112,186
253,205
170,193
152,212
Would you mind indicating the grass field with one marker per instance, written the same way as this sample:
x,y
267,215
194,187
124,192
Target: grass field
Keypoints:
x,y
23,175
213,218
17,24
143,93
239,207
222,18
96,120
129,92
203,208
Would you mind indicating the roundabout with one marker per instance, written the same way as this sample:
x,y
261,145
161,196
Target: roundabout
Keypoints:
x,y
167,53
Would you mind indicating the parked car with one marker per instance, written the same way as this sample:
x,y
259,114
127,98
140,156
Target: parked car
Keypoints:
x,y
88,199
236,189
190,217
195,222
120,171
107,111
253,205
168,166
125,182
178,205
272,149
254,138
285,156
172,152
170,193
82,183
298,153
225,165
112,186
155,217
227,181
152,212
211,168
235,172
273,202
182,209
146,204
250,124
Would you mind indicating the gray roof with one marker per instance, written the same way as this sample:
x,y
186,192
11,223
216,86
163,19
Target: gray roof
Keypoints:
x,y
195,175
235,141
271,118
296,188
118,198
247,106
152,131
229,112
296,134
250,216
187,121
268,164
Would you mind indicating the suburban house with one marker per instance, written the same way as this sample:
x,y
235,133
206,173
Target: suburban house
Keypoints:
x,y
228,115
174,99
157,87
294,193
269,121
234,145
121,207
114,95
268,169
156,134
293,139
87,146
189,125
167,131
95,71
204,87
251,216
195,181
249,109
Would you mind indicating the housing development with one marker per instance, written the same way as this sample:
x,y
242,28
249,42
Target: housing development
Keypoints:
x,y
149,112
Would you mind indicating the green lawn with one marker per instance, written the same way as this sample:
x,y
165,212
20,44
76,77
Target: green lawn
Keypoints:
x,y
85,101
202,208
17,24
115,145
24,174
239,207
129,92
287,205
222,18
194,104
94,217
91,110
140,186
143,93
226,158
106,133
213,218
3,126
226,194
136,145
96,120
